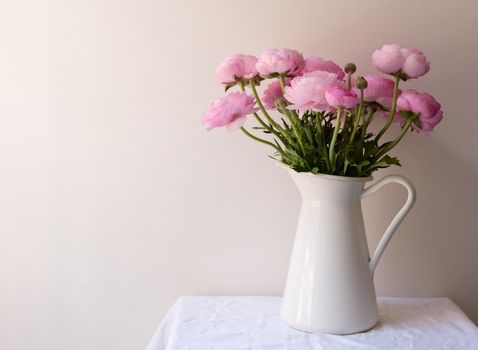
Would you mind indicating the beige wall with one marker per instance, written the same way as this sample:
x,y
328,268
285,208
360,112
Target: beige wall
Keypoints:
x,y
114,200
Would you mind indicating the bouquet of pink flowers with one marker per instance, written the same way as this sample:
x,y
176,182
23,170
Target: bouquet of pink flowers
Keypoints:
x,y
323,113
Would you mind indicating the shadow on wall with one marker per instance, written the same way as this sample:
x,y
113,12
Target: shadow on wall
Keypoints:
x,y
435,251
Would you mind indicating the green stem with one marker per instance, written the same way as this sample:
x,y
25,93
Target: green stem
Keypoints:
x,y
357,117
264,125
282,82
349,81
281,133
293,118
319,123
267,127
322,139
389,147
295,115
392,109
262,108
258,139
334,138
259,119
366,121
370,117
299,137
241,84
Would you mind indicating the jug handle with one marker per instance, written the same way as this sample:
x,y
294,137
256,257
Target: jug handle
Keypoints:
x,y
387,236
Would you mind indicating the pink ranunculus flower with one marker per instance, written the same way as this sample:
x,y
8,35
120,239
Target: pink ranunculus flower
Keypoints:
x,y
313,64
415,64
273,92
391,59
280,61
236,66
229,111
379,89
429,109
388,59
307,92
341,97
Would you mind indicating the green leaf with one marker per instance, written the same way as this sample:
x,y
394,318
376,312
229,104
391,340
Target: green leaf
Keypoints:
x,y
228,86
385,162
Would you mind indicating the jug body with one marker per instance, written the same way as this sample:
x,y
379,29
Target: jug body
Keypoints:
x,y
329,286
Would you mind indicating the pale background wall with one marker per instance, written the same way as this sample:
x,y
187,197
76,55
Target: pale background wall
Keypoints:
x,y
114,200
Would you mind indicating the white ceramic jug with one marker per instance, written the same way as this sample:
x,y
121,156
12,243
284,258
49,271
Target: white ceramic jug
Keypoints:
x,y
329,286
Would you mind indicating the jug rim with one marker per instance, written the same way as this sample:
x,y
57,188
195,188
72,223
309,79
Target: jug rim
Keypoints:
x,y
325,176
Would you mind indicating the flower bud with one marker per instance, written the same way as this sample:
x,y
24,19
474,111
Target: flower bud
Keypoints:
x,y
350,68
361,83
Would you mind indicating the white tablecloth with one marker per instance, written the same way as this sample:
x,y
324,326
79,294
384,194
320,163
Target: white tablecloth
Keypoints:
x,y
254,323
